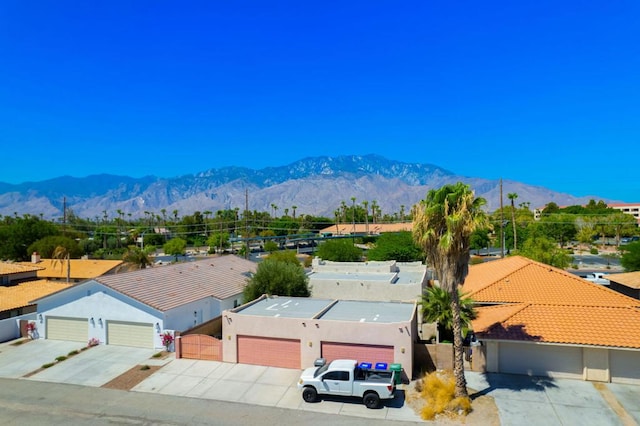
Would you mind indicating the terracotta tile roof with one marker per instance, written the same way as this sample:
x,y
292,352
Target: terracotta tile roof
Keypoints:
x,y
629,279
167,287
21,295
7,268
483,274
615,326
361,228
520,280
536,302
80,268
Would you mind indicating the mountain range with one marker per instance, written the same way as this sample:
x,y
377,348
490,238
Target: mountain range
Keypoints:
x,y
315,185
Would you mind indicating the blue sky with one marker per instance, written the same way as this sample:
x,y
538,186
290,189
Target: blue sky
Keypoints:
x,y
546,93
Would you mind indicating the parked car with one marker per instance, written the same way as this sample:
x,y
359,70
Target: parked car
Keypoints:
x,y
345,377
597,278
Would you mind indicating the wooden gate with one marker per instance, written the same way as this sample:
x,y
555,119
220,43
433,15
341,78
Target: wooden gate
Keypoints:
x,y
199,346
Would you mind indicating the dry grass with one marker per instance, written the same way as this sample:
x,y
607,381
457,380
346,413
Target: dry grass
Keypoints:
x,y
437,394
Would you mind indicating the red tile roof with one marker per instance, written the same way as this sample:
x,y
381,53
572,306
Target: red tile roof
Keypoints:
x,y
535,302
629,279
569,324
79,268
7,268
18,296
520,280
167,287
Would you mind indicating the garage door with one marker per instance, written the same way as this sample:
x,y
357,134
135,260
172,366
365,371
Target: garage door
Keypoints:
x,y
540,360
625,367
361,353
269,351
121,333
65,328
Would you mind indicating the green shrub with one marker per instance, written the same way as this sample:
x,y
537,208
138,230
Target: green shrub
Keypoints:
x,y
49,364
157,355
72,353
145,367
61,358
593,250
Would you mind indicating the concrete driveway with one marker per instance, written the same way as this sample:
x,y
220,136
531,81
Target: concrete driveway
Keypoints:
x,y
92,367
258,385
97,365
17,361
544,401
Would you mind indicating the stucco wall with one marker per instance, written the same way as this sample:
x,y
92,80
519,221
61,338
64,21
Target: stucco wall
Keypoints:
x,y
312,332
591,363
10,327
102,308
375,281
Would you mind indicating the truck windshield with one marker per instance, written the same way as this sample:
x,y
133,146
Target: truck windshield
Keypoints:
x,y
321,370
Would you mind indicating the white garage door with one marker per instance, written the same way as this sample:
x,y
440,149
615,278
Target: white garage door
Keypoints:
x,y
121,333
65,328
625,367
540,360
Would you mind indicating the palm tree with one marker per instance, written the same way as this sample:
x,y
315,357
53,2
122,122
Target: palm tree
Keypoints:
x,y
366,216
136,257
353,213
442,225
294,211
512,196
374,209
436,307
61,255
337,214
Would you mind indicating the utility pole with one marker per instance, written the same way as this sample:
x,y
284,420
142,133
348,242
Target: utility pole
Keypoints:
x,y
246,221
64,216
501,223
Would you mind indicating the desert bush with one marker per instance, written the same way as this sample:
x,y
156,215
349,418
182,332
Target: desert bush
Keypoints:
x,y
61,358
49,364
438,391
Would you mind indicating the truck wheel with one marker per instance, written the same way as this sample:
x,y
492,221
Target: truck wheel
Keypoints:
x,y
371,400
309,394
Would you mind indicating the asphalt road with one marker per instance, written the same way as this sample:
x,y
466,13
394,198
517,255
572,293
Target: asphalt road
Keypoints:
x,y
26,402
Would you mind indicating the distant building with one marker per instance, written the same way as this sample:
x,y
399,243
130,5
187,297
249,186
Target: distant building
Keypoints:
x,y
629,208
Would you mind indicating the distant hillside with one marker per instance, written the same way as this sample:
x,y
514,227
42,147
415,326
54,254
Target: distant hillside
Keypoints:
x,y
315,185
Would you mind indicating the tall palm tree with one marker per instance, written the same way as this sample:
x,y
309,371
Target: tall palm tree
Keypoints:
x,y
294,211
512,196
442,225
365,203
61,255
353,213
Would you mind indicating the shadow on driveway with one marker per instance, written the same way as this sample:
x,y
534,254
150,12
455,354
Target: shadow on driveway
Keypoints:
x,y
510,382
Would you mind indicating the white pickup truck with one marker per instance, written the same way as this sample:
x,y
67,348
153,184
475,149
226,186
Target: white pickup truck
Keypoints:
x,y
344,377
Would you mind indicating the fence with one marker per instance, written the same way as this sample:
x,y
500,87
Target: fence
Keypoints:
x,y
198,346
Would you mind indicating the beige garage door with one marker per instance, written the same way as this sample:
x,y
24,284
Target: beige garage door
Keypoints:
x,y
65,328
268,351
121,333
361,353
625,367
541,360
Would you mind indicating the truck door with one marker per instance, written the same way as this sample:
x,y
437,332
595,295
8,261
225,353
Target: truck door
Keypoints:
x,y
337,382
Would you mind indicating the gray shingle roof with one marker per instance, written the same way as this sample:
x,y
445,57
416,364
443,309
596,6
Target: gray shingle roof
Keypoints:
x,y
167,287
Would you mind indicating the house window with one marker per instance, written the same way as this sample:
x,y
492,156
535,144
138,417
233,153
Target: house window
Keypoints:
x,y
235,304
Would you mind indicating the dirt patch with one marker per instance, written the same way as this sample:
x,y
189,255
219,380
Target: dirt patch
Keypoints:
x,y
484,413
130,378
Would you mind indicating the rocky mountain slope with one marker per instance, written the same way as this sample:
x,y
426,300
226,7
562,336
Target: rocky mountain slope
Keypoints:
x,y
315,185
